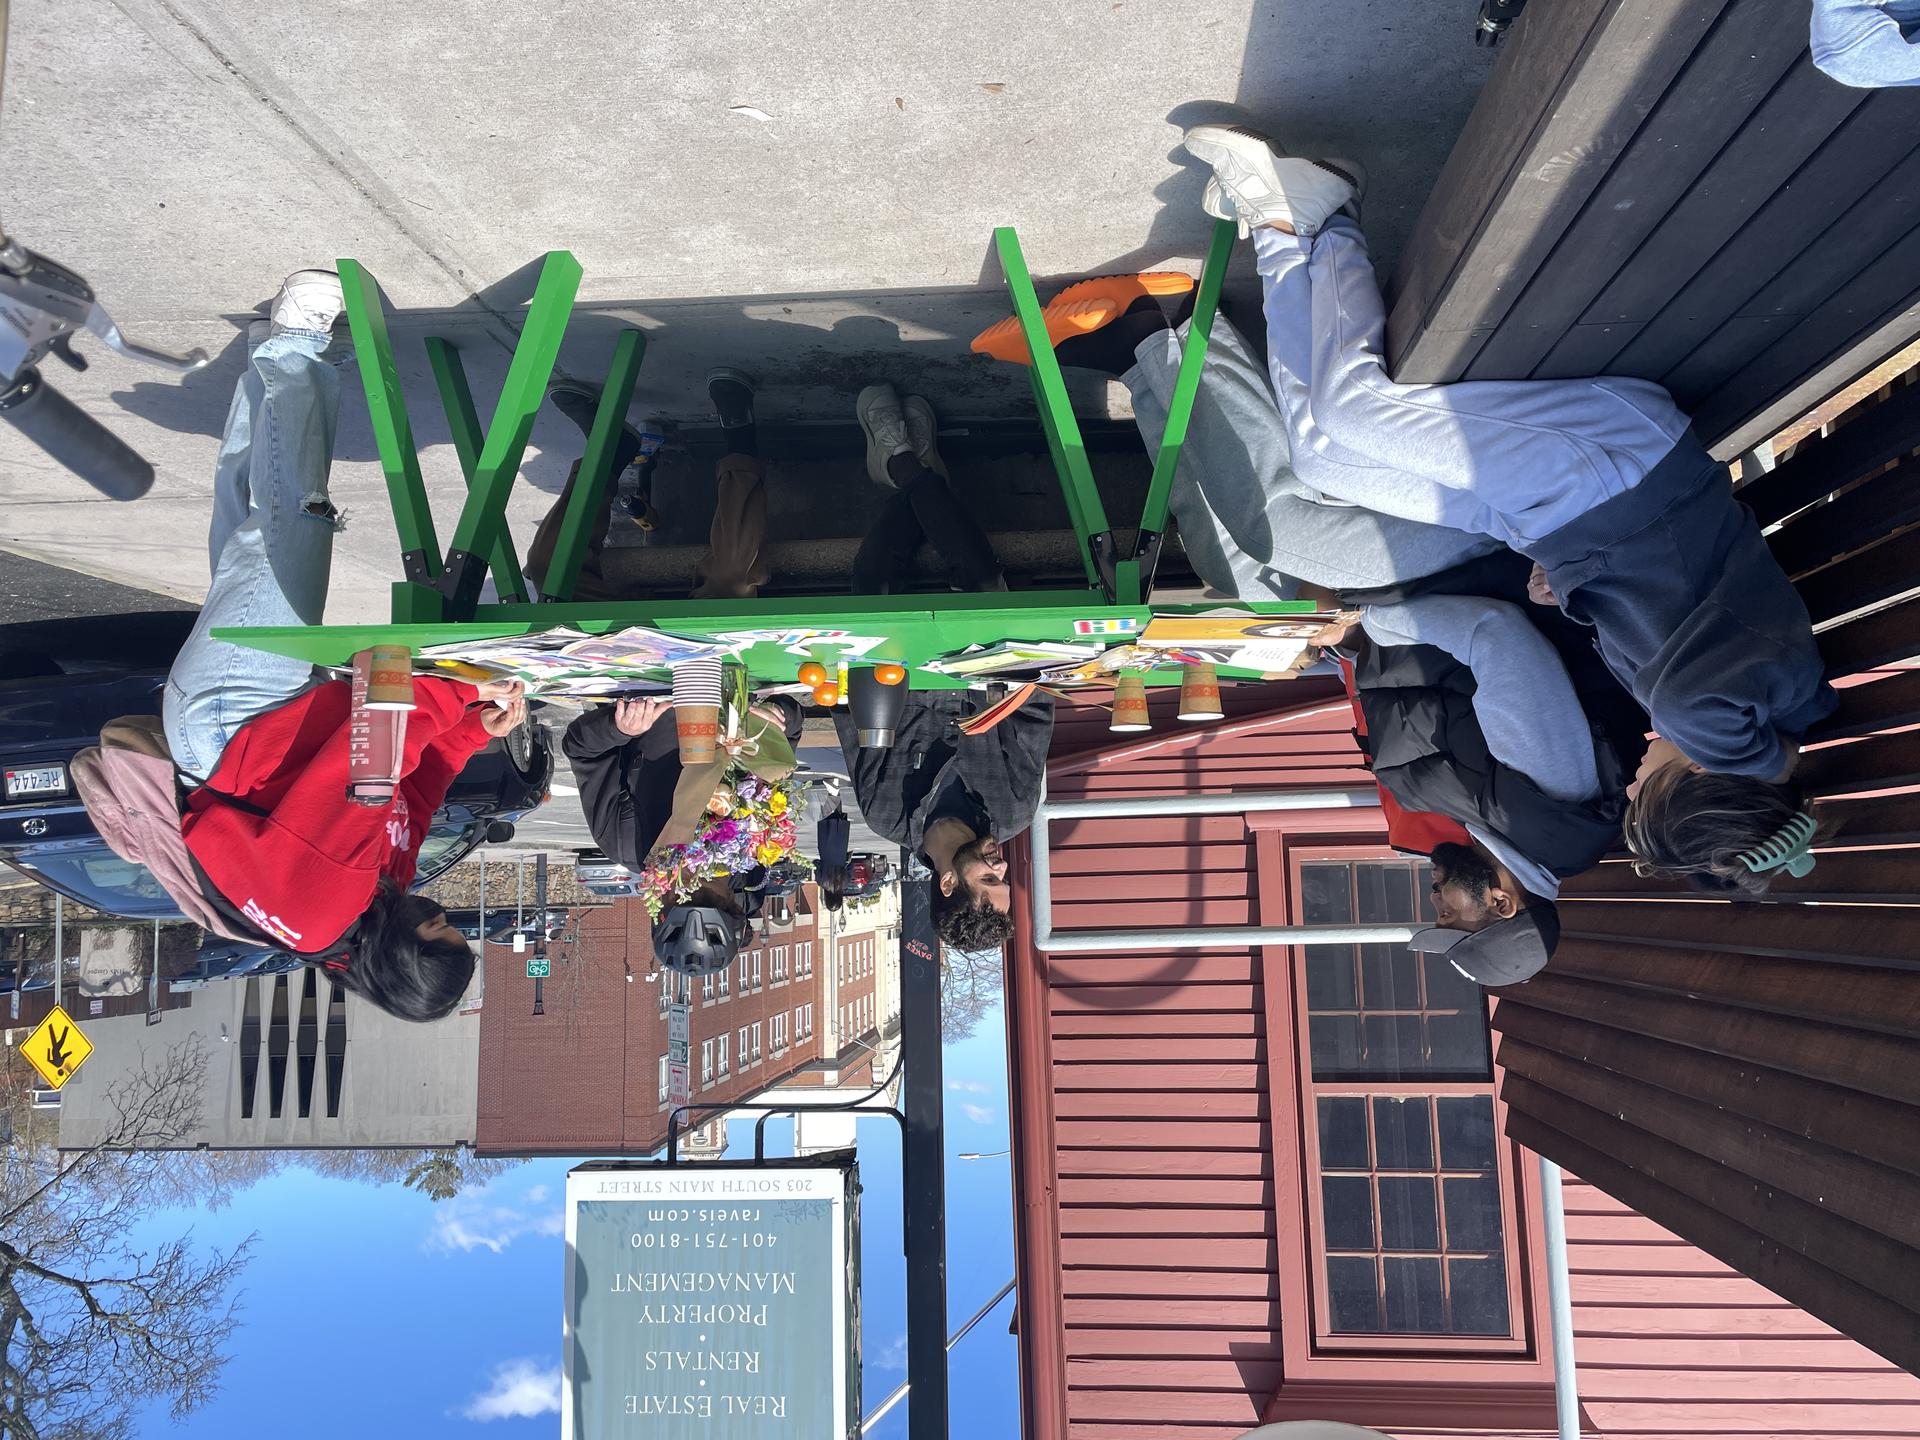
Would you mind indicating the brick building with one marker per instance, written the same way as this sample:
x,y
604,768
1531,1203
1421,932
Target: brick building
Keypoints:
x,y
589,1075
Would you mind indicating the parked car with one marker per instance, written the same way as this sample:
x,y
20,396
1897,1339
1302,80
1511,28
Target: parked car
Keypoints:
x,y
46,834
598,875
867,875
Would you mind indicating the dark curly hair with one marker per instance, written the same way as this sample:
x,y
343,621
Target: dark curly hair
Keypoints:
x,y
966,922
391,966
1695,826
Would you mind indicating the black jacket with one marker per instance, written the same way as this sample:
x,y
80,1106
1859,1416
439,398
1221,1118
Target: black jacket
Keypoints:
x,y
1003,768
1428,750
626,781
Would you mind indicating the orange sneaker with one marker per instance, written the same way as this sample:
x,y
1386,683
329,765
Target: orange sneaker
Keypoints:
x,y
1079,309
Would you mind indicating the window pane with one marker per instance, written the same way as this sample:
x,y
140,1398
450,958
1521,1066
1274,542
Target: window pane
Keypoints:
x,y
1402,1132
1385,892
1347,1203
1325,894
1458,1046
1394,1046
1343,1133
1466,1132
1408,1219
1335,1042
1479,1296
1330,982
1473,1213
1390,977
1354,1293
1415,1304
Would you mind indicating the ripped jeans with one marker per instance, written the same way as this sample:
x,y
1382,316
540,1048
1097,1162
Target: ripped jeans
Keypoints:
x,y
270,547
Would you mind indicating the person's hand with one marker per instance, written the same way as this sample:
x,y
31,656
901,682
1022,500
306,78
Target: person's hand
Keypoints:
x,y
501,723
772,715
1538,590
637,716
501,690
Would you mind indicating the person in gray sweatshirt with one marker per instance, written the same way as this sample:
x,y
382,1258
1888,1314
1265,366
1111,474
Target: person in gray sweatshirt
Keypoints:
x,y
1632,527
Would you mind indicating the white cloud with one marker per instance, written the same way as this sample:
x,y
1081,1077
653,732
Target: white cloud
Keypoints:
x,y
520,1390
972,1087
980,1114
489,1220
892,1355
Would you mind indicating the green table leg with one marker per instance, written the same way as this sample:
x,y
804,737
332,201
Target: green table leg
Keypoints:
x,y
392,434
1056,413
520,399
1186,385
587,508
456,398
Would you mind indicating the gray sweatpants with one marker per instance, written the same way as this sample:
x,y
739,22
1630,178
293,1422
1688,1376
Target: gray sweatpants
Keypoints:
x,y
1251,527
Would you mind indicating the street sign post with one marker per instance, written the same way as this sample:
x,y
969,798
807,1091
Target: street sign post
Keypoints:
x,y
56,1048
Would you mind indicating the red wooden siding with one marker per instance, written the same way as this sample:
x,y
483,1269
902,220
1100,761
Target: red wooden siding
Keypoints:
x,y
1146,1164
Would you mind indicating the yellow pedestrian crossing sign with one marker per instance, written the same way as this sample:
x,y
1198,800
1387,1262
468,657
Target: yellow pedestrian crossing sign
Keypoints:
x,y
56,1048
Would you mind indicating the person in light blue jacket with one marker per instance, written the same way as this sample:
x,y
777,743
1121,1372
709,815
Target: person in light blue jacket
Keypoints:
x,y
1868,44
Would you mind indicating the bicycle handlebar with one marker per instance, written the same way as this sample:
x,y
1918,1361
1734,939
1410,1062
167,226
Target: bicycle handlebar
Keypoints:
x,y
75,438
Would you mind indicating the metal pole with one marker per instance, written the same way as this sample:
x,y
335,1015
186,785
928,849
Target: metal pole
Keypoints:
x,y
1566,1379
153,980
923,1160
1368,799
59,944
952,1340
482,854
1241,937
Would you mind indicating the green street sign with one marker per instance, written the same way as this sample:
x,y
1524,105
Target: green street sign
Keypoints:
x,y
540,969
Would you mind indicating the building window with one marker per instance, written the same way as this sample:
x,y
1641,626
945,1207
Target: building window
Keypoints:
x,y
726,982
745,1053
756,970
779,964
779,1033
706,1063
723,1055
1411,1206
663,1080
706,989
756,1042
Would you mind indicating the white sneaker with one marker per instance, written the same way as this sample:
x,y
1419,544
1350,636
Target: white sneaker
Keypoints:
x,y
1215,202
308,300
1265,186
885,425
923,433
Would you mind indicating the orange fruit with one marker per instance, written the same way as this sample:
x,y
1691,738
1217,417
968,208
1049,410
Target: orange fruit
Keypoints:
x,y
889,674
813,673
826,693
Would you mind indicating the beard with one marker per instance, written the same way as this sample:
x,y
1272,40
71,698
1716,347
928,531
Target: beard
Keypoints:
x,y
1466,867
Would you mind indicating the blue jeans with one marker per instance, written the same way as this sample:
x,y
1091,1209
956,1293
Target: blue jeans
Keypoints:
x,y
270,547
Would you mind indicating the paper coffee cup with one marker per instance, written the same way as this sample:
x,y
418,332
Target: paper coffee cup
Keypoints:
x,y
1130,706
389,676
1200,693
699,729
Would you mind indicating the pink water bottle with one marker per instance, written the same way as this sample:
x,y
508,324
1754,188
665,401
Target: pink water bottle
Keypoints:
x,y
377,723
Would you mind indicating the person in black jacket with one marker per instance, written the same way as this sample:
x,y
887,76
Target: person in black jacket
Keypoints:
x,y
626,761
954,799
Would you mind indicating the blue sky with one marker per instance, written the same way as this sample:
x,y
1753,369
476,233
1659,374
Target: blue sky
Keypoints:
x,y
444,1320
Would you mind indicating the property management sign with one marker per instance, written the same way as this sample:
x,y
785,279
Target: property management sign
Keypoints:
x,y
710,1301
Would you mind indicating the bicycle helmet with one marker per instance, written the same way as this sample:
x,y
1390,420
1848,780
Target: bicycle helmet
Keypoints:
x,y
698,939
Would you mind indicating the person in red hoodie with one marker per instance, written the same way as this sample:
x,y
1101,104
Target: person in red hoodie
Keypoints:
x,y
277,848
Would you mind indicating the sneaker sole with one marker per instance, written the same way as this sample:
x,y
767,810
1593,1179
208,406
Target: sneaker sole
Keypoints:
x,y
1082,307
876,462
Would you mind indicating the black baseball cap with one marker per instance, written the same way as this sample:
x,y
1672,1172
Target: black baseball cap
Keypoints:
x,y
1507,952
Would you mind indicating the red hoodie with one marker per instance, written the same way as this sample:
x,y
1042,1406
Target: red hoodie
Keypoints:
x,y
306,869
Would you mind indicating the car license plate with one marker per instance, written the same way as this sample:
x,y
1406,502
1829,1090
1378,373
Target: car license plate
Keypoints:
x,y
38,780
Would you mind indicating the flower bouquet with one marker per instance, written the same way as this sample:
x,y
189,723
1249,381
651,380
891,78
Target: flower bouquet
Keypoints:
x,y
732,814
749,822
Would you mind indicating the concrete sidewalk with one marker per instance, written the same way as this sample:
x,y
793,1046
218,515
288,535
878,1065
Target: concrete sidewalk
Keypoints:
x,y
806,188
